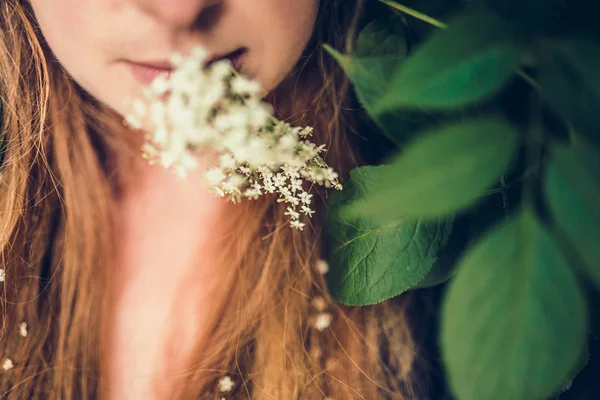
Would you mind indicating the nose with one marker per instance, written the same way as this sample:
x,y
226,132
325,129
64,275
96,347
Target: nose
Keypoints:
x,y
181,13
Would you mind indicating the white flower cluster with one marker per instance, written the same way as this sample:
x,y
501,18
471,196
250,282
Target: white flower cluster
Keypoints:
x,y
226,384
23,329
7,364
209,110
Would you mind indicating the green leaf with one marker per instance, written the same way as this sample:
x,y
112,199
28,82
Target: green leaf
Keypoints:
x,y
370,77
514,319
572,187
570,83
445,266
371,262
582,362
593,301
467,63
380,47
384,36
443,171
439,273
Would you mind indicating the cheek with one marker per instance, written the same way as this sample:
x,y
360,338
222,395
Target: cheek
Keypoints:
x,y
62,24
286,27
75,32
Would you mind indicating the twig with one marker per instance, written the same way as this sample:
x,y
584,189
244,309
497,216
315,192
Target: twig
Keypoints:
x,y
415,14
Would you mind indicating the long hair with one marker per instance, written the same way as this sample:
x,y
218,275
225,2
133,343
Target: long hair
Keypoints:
x,y
57,205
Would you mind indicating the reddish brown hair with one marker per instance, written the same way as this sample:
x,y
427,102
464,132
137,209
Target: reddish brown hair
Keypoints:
x,y
57,202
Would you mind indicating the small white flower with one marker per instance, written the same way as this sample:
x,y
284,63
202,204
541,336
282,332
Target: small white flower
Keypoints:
x,y
7,364
290,171
296,185
323,321
289,198
2,274
242,85
228,162
306,132
307,210
159,85
269,187
279,179
292,213
305,197
214,176
288,143
133,121
297,224
23,329
226,384
176,59
319,303
139,107
322,266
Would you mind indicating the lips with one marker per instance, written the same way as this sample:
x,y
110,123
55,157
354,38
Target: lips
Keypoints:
x,y
235,57
146,72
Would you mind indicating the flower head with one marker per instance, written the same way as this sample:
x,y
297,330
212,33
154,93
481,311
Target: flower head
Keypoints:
x,y
7,364
23,329
323,321
210,109
226,384
322,266
319,303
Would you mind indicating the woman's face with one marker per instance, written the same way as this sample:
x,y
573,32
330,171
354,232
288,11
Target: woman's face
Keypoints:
x,y
97,41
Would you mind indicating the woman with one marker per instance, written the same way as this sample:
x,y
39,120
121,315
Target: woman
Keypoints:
x,y
122,282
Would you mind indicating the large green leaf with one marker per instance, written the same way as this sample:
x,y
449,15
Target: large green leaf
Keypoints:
x,y
445,266
582,362
442,171
572,186
371,262
381,46
514,319
385,36
468,62
571,84
369,75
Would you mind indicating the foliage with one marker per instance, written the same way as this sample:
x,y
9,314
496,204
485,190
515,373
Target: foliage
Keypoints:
x,y
369,264
514,93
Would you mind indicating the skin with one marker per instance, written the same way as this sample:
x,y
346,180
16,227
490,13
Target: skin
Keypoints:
x,y
93,38
166,226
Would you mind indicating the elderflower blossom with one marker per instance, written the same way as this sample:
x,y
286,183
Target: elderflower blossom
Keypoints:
x,y
319,303
226,384
7,364
322,266
23,329
323,321
207,109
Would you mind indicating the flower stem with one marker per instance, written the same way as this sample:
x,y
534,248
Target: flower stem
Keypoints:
x,y
414,13
528,79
